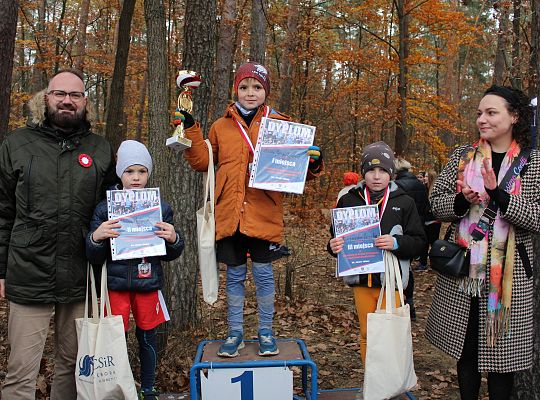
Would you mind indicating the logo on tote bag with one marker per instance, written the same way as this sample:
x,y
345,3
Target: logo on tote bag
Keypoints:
x,y
87,365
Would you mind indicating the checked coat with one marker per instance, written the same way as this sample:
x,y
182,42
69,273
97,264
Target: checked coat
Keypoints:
x,y
448,316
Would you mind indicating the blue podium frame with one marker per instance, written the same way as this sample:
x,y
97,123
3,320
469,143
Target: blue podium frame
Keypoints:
x,y
309,383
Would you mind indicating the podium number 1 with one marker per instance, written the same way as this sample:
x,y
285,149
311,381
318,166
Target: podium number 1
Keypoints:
x,y
246,385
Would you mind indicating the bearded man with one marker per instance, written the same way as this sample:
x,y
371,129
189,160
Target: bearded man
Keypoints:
x,y
53,172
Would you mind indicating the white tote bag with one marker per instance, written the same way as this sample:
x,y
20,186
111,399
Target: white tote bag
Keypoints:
x,y
389,369
102,371
206,235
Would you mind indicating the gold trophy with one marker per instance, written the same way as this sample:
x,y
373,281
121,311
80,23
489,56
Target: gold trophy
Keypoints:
x,y
186,81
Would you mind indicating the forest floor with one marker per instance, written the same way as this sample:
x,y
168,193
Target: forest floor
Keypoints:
x,y
320,311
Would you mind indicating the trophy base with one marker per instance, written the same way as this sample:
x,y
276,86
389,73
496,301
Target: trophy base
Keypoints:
x,y
178,143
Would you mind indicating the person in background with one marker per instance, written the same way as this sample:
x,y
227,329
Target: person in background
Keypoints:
x,y
135,284
422,176
485,320
410,184
53,172
432,225
402,232
350,180
248,220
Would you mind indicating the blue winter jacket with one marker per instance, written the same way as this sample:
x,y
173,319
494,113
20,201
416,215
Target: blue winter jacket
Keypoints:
x,y
123,274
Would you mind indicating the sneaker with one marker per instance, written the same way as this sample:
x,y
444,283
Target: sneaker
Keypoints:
x,y
148,394
267,343
232,344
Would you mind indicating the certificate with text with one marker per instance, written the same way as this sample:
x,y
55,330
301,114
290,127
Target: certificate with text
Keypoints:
x,y
137,212
280,162
358,226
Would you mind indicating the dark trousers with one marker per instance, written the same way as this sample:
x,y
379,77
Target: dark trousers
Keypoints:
x,y
432,234
147,356
499,384
408,292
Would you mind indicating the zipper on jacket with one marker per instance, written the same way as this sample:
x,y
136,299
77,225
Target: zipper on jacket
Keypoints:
x,y
130,263
28,186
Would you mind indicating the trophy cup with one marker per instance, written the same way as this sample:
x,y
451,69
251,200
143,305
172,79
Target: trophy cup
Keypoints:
x,y
186,81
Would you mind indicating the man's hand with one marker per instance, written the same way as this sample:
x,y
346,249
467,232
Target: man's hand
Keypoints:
x,y
2,288
106,231
167,232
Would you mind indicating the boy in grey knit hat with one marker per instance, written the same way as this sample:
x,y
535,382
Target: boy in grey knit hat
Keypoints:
x,y
135,285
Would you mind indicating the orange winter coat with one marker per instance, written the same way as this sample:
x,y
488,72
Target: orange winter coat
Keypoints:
x,y
256,213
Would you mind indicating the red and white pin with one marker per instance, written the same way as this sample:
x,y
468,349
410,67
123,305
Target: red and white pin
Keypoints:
x,y
85,160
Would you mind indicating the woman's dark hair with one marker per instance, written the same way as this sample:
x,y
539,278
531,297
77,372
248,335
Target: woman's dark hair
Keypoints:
x,y
519,105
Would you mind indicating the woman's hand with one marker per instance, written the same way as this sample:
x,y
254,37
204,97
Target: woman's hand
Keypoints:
x,y
336,244
385,242
490,180
106,231
167,232
470,195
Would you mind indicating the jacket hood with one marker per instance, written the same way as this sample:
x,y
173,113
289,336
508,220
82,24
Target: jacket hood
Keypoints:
x,y
38,108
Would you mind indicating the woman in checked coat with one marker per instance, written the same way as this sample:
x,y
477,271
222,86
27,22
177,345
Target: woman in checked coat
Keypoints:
x,y
485,320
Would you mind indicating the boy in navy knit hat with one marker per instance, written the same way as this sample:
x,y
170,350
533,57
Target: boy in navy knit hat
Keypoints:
x,y
136,284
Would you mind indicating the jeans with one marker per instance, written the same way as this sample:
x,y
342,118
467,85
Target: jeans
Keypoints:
x,y
147,356
264,284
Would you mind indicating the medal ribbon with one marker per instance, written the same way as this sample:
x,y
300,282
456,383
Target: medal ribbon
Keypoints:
x,y
384,200
245,135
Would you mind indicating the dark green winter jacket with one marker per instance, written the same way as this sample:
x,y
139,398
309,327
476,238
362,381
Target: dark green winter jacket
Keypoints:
x,y
49,187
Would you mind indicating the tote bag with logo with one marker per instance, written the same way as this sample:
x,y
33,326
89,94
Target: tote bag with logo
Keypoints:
x,y
206,235
102,371
389,369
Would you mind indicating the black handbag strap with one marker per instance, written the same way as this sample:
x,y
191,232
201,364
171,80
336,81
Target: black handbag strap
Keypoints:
x,y
487,219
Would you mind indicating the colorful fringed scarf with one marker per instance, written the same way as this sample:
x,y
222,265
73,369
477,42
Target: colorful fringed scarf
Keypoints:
x,y
502,242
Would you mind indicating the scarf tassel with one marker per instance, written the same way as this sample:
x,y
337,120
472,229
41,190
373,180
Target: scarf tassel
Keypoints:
x,y
472,286
498,324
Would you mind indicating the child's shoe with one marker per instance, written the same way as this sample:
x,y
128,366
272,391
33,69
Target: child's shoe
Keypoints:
x,y
267,343
232,344
149,394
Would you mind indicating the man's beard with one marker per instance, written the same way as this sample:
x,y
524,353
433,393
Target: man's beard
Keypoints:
x,y
66,122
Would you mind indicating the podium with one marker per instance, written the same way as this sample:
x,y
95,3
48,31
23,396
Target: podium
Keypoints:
x,y
248,364
241,373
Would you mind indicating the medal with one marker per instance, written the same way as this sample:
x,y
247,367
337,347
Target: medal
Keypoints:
x,y
144,269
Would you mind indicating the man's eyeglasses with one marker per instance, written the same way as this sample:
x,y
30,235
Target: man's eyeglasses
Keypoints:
x,y
61,95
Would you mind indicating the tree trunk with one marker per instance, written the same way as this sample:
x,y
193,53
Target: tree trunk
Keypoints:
x,y
402,128
527,383
534,49
39,75
8,30
180,186
500,55
287,62
80,44
115,128
257,40
142,104
58,40
515,75
224,58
